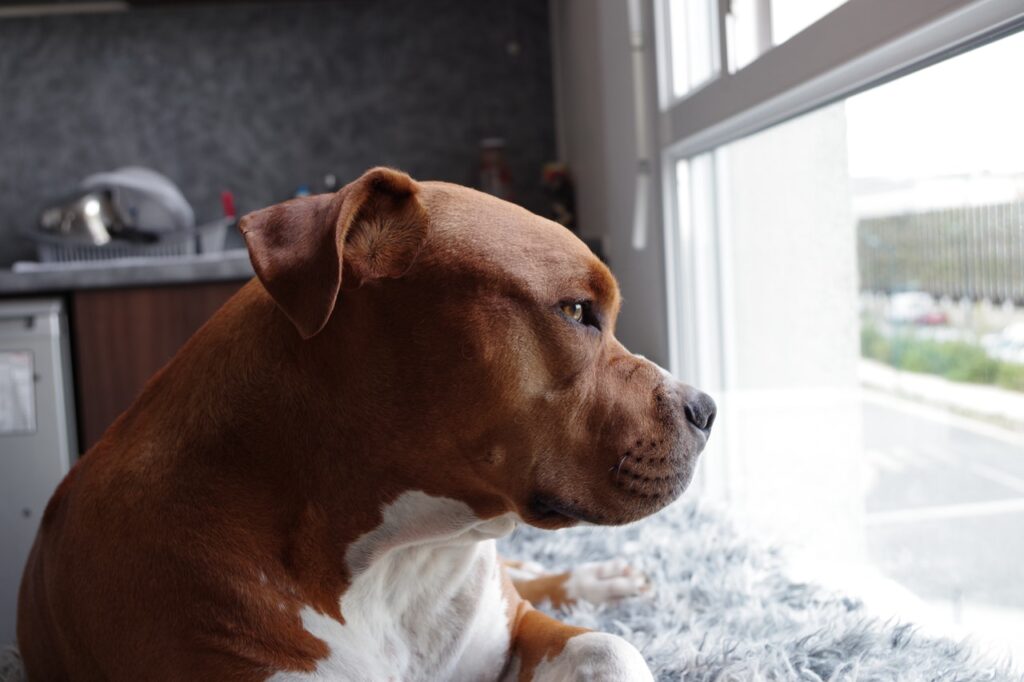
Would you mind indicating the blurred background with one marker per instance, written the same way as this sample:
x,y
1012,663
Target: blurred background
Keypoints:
x,y
815,210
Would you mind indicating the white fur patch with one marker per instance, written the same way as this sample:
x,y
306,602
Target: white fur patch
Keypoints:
x,y
425,601
602,581
597,657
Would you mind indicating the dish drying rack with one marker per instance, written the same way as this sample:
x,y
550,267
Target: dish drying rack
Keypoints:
x,y
206,238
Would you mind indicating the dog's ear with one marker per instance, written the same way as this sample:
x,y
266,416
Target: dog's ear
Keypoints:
x,y
305,249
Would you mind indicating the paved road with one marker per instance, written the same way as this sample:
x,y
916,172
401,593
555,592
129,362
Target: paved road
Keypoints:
x,y
945,504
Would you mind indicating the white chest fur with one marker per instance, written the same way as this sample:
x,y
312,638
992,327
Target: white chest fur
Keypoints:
x,y
425,602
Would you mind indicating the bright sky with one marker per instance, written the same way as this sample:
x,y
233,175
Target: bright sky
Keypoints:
x,y
965,115
789,17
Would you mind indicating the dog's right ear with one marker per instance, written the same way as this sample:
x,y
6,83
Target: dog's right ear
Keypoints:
x,y
302,249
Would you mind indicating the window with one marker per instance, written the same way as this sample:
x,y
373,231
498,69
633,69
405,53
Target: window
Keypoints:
x,y
752,26
851,281
749,31
789,17
693,53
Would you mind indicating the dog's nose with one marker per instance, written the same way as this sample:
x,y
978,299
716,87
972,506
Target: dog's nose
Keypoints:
x,y
700,411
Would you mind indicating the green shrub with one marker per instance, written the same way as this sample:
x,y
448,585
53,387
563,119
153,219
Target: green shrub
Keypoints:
x,y
922,356
905,352
874,344
955,360
970,363
1011,376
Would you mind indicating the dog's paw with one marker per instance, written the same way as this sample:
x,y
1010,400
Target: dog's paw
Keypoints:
x,y
595,657
603,581
525,570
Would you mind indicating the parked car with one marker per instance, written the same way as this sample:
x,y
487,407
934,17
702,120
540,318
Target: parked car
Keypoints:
x,y
915,307
1007,345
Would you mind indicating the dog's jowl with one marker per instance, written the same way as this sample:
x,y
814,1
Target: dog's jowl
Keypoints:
x,y
311,489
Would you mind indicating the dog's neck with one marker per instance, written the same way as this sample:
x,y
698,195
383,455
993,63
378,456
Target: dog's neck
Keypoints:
x,y
418,521
320,485
263,387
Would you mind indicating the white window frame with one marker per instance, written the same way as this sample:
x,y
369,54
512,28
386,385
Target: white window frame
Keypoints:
x,y
859,45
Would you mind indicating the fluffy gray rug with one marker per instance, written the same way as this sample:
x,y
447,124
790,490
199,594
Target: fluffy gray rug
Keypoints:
x,y
722,611
10,666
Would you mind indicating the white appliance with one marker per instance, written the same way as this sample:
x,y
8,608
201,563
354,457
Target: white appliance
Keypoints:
x,y
37,432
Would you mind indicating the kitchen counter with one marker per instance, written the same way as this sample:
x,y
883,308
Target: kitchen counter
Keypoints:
x,y
33,278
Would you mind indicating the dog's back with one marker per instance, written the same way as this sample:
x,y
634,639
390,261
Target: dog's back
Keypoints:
x,y
136,562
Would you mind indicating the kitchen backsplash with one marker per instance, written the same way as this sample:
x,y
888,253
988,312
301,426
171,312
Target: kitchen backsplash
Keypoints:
x,y
262,98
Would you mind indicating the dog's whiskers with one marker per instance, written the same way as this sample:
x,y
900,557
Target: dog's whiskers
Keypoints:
x,y
617,468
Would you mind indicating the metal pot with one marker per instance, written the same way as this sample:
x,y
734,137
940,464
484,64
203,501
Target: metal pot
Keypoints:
x,y
89,218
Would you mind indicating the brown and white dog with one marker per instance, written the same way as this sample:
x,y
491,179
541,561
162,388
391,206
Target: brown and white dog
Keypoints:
x,y
311,488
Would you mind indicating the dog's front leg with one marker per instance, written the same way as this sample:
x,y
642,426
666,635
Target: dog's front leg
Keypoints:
x,y
546,650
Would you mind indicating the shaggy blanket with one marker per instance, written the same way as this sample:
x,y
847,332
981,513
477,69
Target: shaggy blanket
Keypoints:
x,y
722,610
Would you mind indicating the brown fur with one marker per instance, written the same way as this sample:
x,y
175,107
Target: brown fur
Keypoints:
x,y
539,637
550,588
442,366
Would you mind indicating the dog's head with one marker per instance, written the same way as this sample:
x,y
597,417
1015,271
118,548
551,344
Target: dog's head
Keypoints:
x,y
475,340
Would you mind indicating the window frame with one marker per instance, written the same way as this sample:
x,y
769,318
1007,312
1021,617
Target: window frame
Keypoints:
x,y
822,64
857,46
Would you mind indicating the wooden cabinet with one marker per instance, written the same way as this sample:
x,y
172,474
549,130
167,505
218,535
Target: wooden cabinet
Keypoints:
x,y
120,337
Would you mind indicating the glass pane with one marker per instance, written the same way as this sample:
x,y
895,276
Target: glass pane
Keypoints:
x,y
872,276
693,39
695,180
749,31
789,17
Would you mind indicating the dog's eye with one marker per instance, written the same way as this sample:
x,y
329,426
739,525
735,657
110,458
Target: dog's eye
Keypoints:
x,y
573,311
580,311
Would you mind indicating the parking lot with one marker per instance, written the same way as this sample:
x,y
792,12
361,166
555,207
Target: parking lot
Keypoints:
x,y
945,503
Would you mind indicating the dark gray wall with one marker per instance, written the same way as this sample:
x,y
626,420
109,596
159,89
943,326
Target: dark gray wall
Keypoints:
x,y
262,98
